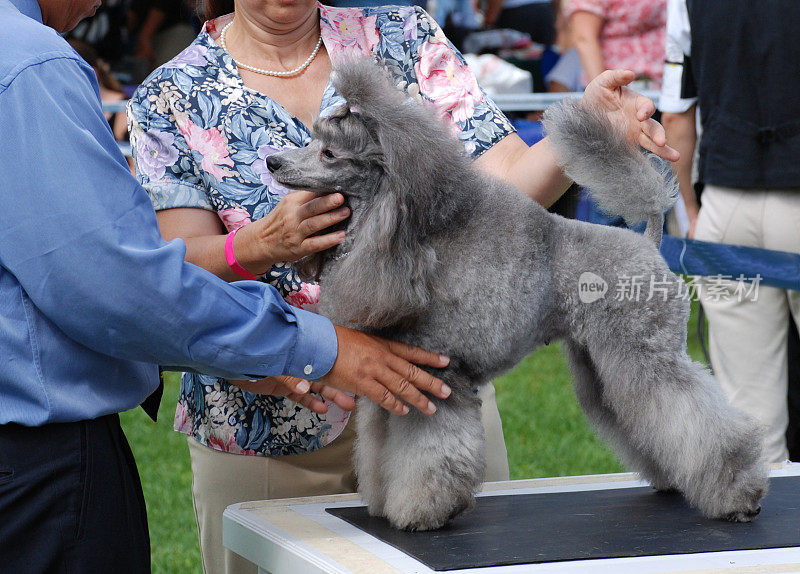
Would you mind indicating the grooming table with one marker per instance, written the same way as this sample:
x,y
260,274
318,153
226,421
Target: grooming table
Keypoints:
x,y
611,523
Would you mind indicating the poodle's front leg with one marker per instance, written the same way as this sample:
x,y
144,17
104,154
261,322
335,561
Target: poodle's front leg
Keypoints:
x,y
434,464
367,454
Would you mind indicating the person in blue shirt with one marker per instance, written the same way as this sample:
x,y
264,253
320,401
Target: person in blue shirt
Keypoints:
x,y
92,299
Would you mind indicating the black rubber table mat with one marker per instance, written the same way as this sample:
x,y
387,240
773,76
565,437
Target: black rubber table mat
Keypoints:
x,y
532,528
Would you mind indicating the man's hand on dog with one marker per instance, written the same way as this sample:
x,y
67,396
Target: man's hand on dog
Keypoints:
x,y
386,372
609,92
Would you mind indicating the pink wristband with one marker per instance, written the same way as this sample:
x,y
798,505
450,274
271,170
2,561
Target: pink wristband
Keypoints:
x,y
231,258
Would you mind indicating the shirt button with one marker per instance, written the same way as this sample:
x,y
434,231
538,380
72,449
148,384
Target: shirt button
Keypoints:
x,y
307,370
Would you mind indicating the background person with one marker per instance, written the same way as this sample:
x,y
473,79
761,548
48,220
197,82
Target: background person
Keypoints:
x,y
92,299
163,29
747,161
627,34
567,75
110,90
534,17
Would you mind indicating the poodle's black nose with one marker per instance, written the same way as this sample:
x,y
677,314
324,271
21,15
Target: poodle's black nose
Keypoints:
x,y
273,162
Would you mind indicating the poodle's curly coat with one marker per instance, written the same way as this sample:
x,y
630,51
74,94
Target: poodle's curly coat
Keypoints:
x,y
443,256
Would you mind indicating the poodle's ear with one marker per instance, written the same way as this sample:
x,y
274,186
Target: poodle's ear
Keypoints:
x,y
387,278
422,158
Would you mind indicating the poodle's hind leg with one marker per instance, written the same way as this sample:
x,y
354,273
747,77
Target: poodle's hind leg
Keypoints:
x,y
434,464
589,392
371,421
674,412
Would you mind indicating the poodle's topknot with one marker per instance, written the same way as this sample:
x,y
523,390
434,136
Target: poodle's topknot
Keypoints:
x,y
363,84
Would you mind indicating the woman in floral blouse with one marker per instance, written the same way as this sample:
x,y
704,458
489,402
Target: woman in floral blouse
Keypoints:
x,y
202,126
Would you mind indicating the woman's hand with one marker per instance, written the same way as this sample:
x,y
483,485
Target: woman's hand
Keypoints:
x,y
609,92
300,391
287,233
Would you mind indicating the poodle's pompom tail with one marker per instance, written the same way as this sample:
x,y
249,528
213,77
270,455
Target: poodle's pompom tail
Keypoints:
x,y
594,153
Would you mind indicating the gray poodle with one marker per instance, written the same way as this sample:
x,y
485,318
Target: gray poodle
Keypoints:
x,y
443,256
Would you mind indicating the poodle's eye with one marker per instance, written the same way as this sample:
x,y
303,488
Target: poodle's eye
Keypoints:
x,y
329,154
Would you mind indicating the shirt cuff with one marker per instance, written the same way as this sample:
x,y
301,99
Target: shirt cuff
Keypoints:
x,y
316,348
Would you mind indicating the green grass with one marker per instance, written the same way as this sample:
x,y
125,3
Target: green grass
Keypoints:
x,y
545,431
163,460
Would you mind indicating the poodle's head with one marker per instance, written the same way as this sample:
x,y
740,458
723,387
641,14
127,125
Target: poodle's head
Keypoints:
x,y
397,166
344,157
381,140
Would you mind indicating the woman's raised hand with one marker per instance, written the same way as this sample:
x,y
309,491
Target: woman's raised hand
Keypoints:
x,y
609,92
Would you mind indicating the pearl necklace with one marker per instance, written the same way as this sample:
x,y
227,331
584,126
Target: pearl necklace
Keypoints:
x,y
273,73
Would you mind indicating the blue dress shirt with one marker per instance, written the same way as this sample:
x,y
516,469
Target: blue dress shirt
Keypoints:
x,y
91,297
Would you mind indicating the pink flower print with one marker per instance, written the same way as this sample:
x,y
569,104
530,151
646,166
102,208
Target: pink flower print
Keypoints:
x,y
307,298
446,81
348,33
229,445
211,145
234,217
183,423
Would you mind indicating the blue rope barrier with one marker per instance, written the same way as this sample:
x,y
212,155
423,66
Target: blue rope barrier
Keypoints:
x,y
692,257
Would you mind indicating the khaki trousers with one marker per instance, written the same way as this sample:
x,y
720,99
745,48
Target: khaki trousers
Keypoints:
x,y
220,479
747,337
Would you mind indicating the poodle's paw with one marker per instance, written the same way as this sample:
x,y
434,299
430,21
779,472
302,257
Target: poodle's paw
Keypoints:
x,y
657,478
375,506
372,493
740,499
663,486
743,516
430,515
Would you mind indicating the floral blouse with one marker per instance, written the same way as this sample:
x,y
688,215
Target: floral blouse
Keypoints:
x,y
633,36
200,139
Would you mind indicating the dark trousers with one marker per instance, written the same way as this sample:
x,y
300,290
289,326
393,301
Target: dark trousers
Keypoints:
x,y
71,500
